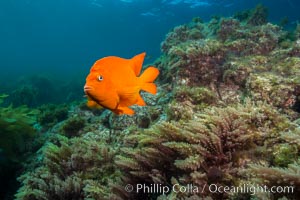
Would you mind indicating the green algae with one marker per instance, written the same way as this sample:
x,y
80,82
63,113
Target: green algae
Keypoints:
x,y
16,129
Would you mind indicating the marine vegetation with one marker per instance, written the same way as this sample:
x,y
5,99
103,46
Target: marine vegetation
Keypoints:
x,y
257,16
51,114
16,134
32,91
77,168
15,129
37,90
286,167
227,112
234,59
72,126
214,147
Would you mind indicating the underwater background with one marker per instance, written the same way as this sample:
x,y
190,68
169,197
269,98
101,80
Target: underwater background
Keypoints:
x,y
227,111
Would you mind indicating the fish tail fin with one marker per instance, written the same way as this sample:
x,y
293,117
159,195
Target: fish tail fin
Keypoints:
x,y
138,63
149,87
147,78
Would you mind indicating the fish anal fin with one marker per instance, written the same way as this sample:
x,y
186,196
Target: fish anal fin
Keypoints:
x,y
140,101
137,63
123,110
128,95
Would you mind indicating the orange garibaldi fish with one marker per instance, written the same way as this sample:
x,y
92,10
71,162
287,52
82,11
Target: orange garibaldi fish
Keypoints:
x,y
114,83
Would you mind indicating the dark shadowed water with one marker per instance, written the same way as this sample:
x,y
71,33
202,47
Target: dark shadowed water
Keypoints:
x,y
61,39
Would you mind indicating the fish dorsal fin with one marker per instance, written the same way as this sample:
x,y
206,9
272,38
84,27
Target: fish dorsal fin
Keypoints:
x,y
137,63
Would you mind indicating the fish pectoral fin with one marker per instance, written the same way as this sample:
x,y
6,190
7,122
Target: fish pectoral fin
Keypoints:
x,y
93,104
123,110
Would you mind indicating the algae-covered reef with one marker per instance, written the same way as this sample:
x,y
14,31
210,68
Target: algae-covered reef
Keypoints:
x,y
78,168
226,114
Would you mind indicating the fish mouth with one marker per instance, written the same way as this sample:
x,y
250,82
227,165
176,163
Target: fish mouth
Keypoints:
x,y
87,88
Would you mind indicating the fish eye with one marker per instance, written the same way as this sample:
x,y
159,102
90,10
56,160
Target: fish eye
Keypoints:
x,y
100,78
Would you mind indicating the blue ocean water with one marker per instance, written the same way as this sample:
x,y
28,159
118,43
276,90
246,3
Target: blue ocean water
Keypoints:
x,y
64,37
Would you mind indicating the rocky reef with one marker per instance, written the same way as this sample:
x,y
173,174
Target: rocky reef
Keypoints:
x,y
227,113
